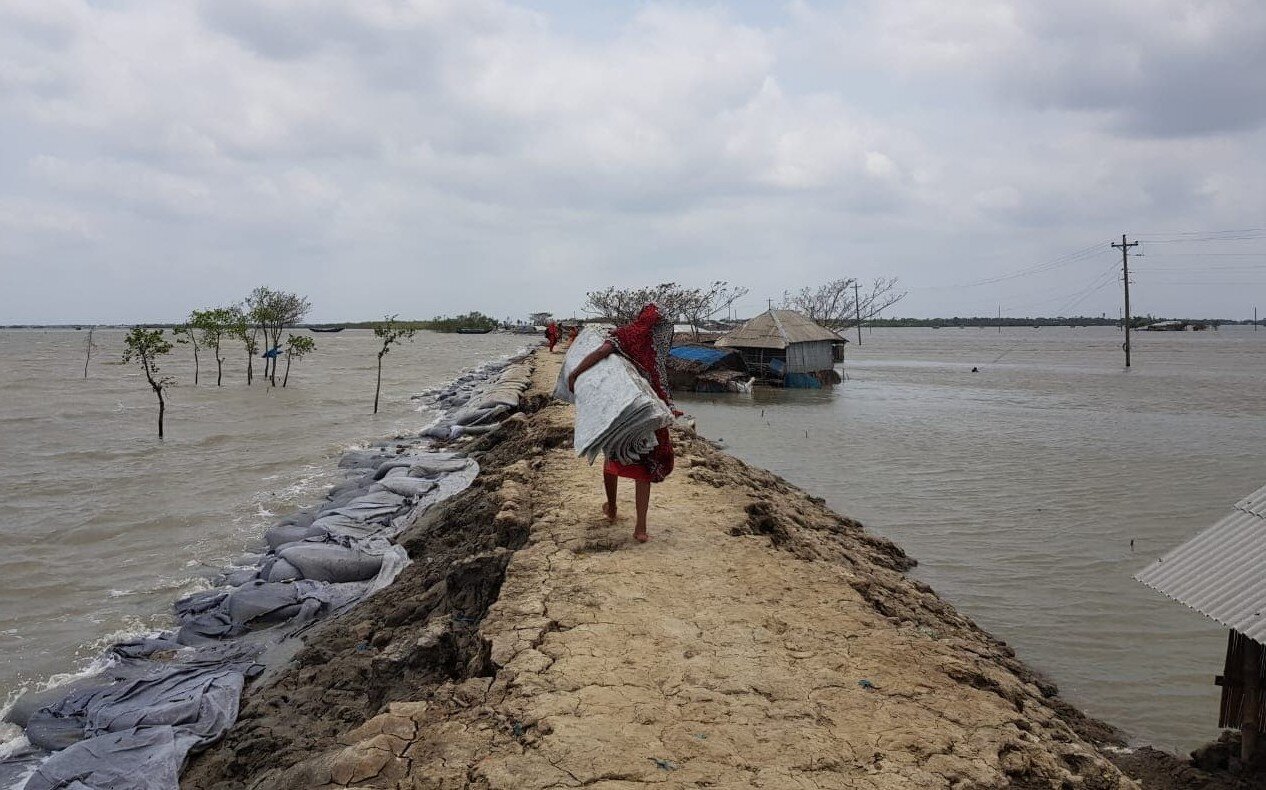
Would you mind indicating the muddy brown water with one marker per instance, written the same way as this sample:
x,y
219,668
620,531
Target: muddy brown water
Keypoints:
x,y
1019,488
103,526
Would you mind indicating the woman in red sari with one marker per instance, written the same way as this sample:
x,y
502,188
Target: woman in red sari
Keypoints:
x,y
645,342
551,335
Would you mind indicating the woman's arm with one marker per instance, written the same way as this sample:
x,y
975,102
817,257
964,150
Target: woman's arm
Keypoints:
x,y
597,355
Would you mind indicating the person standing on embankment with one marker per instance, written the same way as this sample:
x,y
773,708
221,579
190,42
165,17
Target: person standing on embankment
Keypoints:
x,y
645,342
551,335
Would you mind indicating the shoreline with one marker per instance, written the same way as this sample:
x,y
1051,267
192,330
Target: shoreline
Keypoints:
x,y
153,696
475,673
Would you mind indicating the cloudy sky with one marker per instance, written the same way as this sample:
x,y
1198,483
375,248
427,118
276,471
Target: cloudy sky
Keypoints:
x,y
437,156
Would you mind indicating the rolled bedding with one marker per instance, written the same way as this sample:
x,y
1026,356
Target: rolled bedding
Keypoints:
x,y
617,412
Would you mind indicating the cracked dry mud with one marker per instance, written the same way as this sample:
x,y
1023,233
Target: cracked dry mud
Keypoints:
x,y
758,640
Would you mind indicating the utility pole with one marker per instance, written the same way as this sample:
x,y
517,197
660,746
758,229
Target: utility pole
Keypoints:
x,y
1254,318
999,319
1125,273
857,305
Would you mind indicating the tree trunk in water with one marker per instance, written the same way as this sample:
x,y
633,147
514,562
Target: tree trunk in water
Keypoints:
x,y
378,388
286,377
219,369
250,369
195,364
162,407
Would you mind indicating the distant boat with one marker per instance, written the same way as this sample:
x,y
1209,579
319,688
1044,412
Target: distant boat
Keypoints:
x,y
470,330
326,328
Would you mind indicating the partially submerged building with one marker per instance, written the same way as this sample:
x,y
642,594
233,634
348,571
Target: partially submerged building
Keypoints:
x,y
784,347
701,368
1221,573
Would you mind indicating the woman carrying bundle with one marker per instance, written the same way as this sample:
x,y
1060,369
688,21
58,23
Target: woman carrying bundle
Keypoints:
x,y
645,342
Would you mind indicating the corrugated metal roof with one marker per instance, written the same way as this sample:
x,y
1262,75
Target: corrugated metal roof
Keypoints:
x,y
777,329
1221,572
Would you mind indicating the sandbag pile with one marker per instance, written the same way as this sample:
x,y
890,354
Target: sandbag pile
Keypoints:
x,y
617,412
475,410
132,725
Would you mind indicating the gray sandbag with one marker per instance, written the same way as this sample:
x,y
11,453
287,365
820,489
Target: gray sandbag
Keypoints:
x,y
197,693
264,603
386,467
332,562
144,758
281,571
241,576
437,465
407,486
282,534
359,459
437,431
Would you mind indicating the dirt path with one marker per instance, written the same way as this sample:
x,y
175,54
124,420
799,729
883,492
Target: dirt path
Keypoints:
x,y
758,640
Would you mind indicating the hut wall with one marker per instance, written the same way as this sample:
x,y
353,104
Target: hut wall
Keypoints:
x,y
810,357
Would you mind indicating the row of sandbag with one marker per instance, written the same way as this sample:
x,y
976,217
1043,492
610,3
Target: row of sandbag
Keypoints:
x,y
617,412
132,725
473,410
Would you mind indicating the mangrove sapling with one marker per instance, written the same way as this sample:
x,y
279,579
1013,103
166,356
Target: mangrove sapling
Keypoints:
x,y
389,331
297,347
241,328
184,334
89,347
145,346
215,325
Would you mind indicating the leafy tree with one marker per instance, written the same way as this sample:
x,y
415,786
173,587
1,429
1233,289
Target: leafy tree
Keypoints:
x,y
622,305
540,319
242,329
838,305
214,325
472,320
89,347
184,333
145,346
270,312
390,332
297,347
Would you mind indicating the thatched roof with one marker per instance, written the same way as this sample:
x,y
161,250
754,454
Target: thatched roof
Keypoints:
x,y
777,329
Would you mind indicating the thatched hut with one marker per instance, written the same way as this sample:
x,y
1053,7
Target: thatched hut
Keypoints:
x,y
786,348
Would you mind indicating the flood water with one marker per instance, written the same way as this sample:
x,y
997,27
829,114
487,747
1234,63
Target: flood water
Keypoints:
x,y
102,525
1019,488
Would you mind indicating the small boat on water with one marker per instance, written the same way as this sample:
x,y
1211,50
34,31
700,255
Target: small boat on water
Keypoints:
x,y
326,328
470,330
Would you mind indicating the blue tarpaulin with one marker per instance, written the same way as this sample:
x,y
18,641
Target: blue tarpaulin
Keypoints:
x,y
703,354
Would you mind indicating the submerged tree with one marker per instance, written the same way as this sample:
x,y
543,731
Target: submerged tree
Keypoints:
x,y
89,347
844,303
242,329
214,325
622,305
184,333
270,312
390,332
297,347
145,346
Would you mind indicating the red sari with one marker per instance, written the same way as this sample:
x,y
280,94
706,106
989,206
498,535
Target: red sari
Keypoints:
x,y
645,343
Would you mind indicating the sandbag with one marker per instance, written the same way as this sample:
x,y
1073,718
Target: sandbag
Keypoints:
x,y
331,562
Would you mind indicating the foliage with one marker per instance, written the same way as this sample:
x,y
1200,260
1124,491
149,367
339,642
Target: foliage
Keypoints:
x,y
215,325
297,347
271,312
838,304
471,320
145,346
541,318
622,305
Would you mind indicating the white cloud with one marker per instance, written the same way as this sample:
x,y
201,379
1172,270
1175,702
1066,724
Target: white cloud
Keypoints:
x,y
310,138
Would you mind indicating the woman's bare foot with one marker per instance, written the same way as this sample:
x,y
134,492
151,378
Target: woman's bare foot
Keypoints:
x,y
608,510
641,535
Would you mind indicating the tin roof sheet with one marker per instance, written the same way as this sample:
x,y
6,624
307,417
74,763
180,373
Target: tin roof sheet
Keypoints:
x,y
1221,572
